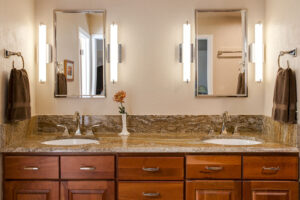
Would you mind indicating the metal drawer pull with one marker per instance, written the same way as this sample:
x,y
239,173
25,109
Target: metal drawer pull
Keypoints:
x,y
156,194
156,169
31,168
271,168
214,168
87,168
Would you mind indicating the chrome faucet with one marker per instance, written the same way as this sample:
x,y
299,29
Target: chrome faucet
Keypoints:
x,y
76,118
224,120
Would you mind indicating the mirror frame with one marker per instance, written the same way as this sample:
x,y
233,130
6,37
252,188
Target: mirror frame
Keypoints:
x,y
102,11
244,56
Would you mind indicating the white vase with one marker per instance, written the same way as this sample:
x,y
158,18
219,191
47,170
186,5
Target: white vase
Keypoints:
x,y
124,125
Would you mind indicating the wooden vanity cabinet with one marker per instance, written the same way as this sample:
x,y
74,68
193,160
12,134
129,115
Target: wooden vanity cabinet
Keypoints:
x,y
154,176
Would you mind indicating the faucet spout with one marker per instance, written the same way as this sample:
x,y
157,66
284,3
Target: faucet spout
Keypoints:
x,y
224,121
76,118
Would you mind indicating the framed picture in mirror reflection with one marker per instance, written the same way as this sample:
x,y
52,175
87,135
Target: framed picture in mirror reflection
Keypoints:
x,y
69,70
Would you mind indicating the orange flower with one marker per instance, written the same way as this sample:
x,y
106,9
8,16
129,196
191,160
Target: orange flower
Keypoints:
x,y
120,96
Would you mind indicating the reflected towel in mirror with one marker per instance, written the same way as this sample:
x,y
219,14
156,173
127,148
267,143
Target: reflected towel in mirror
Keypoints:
x,y
62,86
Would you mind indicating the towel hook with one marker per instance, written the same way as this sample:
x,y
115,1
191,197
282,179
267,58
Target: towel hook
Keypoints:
x,y
8,54
282,53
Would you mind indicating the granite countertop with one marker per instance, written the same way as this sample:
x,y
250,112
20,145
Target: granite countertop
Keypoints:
x,y
149,143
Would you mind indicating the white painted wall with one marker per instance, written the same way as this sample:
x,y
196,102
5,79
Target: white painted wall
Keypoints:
x,y
282,33
16,34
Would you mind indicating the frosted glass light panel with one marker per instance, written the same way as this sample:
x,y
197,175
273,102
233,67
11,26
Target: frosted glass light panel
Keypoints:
x,y
221,51
80,54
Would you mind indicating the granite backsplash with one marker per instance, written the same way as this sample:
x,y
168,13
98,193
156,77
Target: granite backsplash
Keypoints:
x,y
258,124
153,123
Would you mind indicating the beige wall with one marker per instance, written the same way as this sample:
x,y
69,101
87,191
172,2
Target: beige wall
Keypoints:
x,y
150,32
282,33
226,30
16,34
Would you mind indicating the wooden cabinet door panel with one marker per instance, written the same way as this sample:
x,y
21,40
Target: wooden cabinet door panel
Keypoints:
x,y
31,190
87,190
270,190
213,190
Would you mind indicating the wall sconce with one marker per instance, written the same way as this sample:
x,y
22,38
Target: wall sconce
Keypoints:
x,y
42,52
186,52
45,53
114,53
257,52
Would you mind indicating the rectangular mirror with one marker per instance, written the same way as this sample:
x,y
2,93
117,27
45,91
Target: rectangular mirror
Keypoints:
x,y
221,53
80,53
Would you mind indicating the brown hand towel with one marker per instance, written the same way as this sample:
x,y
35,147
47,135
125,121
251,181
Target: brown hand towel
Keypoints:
x,y
241,86
18,107
62,86
285,97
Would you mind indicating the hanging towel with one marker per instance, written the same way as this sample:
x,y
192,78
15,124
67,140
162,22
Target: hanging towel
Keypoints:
x,y
285,97
62,86
241,88
18,107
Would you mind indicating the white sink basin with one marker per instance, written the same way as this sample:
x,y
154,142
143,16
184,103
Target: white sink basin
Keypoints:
x,y
233,142
70,142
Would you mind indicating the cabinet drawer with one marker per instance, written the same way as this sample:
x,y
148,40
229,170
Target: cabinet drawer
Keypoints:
x,y
150,190
270,167
213,167
151,168
31,167
87,167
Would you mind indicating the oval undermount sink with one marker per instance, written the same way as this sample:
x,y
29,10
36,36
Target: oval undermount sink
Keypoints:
x,y
70,142
233,142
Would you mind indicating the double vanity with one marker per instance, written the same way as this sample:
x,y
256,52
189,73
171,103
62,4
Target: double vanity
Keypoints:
x,y
164,166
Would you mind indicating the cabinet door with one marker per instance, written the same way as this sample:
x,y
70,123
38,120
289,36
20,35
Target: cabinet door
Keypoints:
x,y
270,190
31,190
213,190
91,190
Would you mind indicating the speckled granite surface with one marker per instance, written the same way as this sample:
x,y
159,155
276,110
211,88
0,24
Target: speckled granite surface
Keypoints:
x,y
150,143
150,134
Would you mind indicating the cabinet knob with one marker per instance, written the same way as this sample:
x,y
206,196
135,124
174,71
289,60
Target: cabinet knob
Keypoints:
x,y
87,168
271,169
31,168
153,169
211,168
155,194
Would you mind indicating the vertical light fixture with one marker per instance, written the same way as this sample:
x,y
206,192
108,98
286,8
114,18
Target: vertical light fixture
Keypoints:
x,y
186,52
114,53
42,53
259,52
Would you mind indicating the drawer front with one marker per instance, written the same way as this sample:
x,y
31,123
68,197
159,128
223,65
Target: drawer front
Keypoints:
x,y
151,168
87,167
270,167
31,167
213,167
150,190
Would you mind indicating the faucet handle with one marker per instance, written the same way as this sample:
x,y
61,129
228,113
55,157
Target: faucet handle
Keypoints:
x,y
66,131
90,131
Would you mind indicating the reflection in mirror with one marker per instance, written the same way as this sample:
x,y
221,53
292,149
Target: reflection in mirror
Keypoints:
x,y
80,54
221,45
